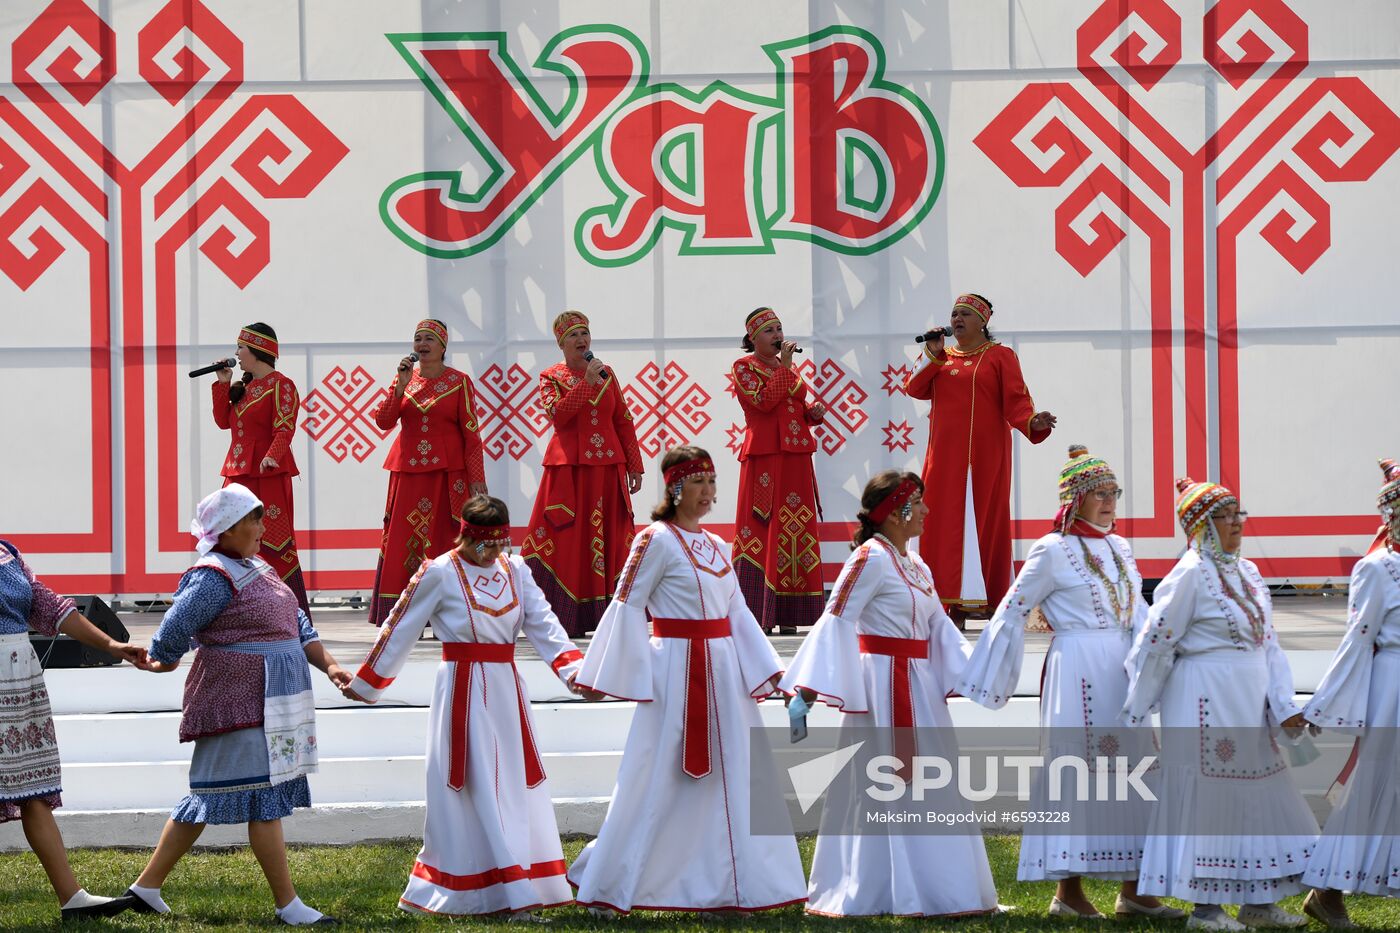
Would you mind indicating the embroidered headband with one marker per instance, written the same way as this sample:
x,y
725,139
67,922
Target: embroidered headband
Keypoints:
x,y
759,321
687,468
434,328
1389,497
218,512
1195,501
974,304
485,534
256,341
567,323
902,495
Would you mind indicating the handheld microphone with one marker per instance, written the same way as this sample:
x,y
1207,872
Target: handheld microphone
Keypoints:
x,y
936,332
213,368
412,358
588,358
797,350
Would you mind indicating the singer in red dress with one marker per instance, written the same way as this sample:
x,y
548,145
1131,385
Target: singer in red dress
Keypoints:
x,y
978,396
434,464
582,526
776,550
261,414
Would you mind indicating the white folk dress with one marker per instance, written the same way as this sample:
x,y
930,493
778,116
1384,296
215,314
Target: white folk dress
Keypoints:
x,y
1222,694
855,660
1358,850
1083,687
677,832
490,840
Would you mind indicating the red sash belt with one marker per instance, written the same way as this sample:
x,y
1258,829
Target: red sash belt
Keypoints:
x,y
467,655
901,652
695,742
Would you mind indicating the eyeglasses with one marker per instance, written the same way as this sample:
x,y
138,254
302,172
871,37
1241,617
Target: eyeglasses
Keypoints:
x,y
1231,518
1107,495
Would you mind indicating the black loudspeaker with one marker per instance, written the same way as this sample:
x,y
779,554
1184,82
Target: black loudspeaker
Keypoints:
x,y
62,651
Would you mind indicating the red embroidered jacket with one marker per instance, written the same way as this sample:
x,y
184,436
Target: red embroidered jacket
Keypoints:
x,y
262,423
437,426
592,424
777,415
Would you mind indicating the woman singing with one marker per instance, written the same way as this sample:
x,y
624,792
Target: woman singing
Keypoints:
x,y
434,464
261,414
579,531
776,550
978,396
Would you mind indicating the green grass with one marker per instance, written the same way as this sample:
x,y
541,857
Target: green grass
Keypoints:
x,y
361,884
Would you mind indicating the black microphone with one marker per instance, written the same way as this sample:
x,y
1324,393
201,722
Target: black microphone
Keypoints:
x,y
936,332
412,358
213,368
588,358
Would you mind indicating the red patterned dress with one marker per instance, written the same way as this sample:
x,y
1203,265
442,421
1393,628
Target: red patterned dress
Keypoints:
x,y
582,523
978,398
776,550
432,464
262,424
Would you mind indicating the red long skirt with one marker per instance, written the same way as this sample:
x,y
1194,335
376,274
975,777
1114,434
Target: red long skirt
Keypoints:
x,y
579,534
279,541
777,549
421,520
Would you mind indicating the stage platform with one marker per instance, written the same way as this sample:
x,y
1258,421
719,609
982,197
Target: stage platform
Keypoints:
x,y
124,768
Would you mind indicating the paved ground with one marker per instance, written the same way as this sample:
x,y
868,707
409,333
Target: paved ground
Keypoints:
x,y
1303,622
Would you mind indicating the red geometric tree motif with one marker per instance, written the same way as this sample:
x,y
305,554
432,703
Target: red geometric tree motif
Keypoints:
x,y
348,409
898,436
506,403
1283,141
829,384
65,187
668,407
895,377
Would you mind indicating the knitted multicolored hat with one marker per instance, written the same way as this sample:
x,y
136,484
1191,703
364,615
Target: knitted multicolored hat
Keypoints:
x,y
1388,500
1082,473
1195,501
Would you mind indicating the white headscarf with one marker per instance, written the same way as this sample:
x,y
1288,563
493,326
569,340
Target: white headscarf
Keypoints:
x,y
218,512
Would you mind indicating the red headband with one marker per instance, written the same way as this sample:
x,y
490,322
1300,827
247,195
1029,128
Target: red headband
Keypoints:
x,y
976,305
759,321
687,468
257,341
901,496
486,534
568,322
434,328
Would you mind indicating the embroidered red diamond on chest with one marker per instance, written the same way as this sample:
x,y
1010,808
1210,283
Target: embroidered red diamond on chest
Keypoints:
x,y
706,554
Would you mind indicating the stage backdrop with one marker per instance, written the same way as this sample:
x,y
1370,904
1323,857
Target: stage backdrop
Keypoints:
x,y
1184,213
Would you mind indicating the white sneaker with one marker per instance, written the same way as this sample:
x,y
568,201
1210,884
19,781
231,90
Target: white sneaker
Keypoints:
x,y
1216,921
602,913
1269,915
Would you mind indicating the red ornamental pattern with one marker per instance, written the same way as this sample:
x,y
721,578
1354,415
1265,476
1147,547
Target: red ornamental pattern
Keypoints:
x,y
200,186
898,436
343,414
895,377
830,384
668,407
1282,140
734,434
508,412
